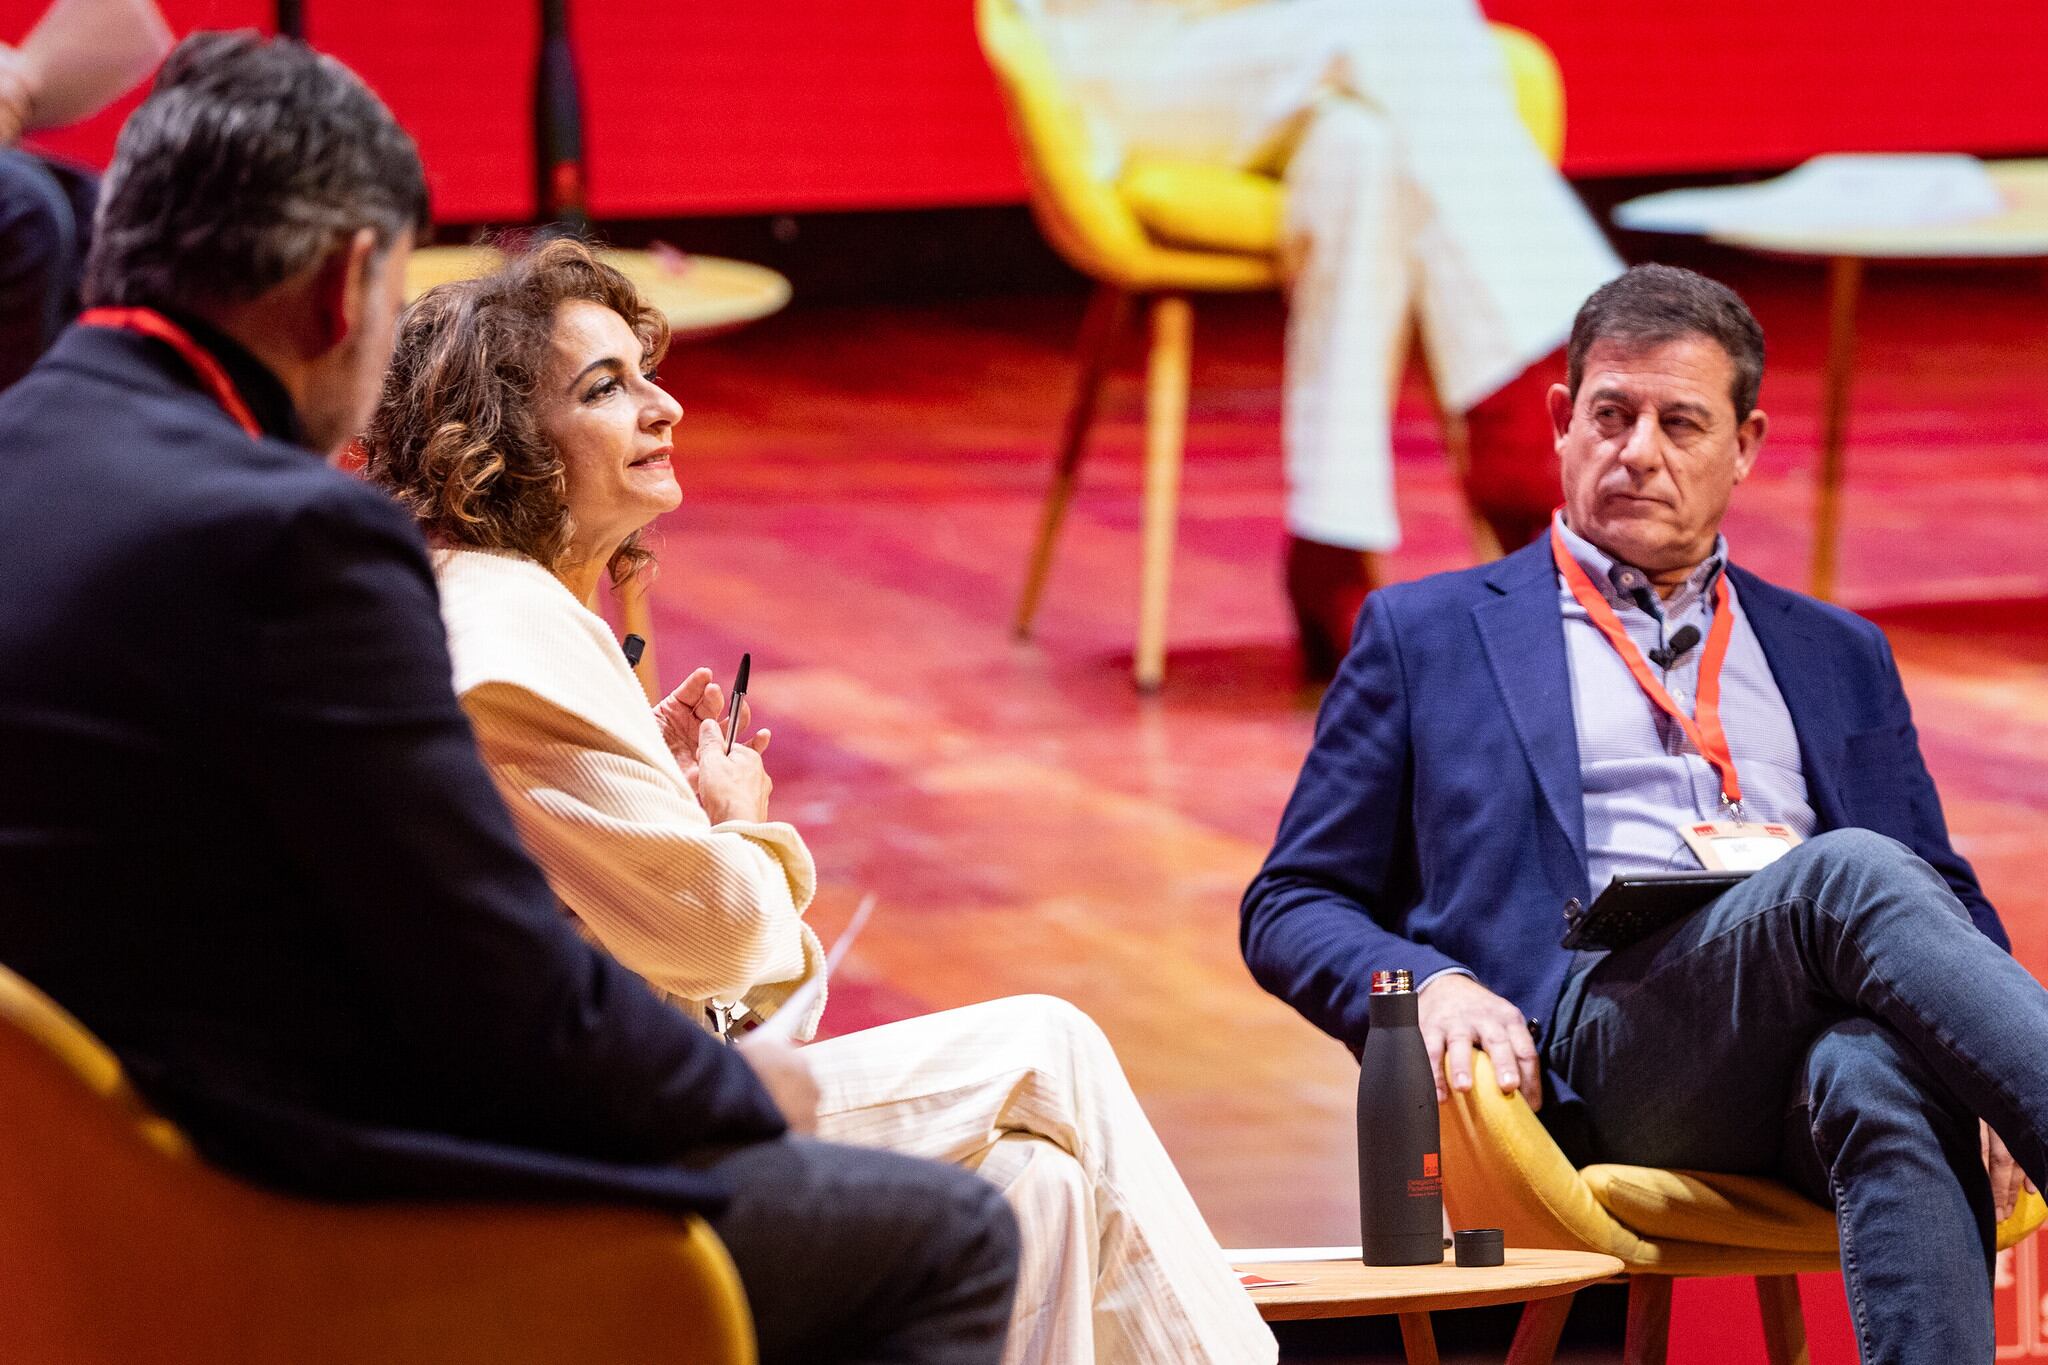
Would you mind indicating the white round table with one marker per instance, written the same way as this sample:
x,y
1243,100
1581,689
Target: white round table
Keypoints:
x,y
2019,233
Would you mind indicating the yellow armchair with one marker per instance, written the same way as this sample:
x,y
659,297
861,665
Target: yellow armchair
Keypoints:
x,y
119,1247
1159,231
1501,1169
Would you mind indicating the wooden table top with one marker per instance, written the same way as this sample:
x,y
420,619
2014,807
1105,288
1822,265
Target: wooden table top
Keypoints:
x,y
700,295
1349,1289
432,265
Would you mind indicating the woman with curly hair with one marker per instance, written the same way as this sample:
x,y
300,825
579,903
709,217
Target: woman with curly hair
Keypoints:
x,y
522,424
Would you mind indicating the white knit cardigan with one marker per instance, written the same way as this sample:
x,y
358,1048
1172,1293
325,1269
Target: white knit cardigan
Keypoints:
x,y
704,912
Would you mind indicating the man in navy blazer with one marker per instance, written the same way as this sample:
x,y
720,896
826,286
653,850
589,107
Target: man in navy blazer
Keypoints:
x,y
245,836
1489,756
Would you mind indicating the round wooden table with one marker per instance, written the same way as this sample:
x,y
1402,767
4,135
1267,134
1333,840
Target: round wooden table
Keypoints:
x,y
701,296
1545,1280
2019,233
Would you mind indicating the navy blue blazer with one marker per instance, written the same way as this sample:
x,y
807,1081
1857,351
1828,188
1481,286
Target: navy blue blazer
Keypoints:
x,y
246,839
1439,819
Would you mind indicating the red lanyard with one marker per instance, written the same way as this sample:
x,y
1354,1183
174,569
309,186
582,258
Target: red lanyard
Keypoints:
x,y
212,377
1706,735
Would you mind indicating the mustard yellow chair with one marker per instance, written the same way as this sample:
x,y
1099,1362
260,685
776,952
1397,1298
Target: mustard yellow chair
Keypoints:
x,y
119,1247
1501,1169
1160,231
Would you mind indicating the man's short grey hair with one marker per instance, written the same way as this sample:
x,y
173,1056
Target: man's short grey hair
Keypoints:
x,y
251,159
1651,305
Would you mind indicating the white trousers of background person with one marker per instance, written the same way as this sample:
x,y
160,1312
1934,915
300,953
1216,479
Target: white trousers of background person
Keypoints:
x,y
1414,183
1119,1267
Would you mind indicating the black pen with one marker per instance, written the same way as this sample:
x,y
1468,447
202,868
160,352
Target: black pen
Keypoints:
x,y
739,695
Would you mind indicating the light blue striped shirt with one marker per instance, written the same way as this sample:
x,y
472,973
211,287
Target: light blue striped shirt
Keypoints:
x,y
1643,778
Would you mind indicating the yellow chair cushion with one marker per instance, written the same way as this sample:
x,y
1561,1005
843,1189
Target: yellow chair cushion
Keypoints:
x,y
1720,1210
1207,207
1538,86
1502,1169
1740,1211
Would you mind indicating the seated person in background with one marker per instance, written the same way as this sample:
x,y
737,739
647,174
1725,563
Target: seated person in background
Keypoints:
x,y
1411,184
1498,746
81,55
522,424
246,838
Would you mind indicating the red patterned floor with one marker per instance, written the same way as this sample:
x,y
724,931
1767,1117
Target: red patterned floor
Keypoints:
x,y
861,487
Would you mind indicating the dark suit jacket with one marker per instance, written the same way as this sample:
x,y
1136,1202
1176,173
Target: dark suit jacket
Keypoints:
x,y
1439,819
246,839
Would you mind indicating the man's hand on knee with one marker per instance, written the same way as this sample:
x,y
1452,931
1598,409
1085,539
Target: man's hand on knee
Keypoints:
x,y
1457,1015
2006,1175
785,1073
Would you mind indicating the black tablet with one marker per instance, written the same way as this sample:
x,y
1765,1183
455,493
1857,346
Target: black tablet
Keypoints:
x,y
1638,904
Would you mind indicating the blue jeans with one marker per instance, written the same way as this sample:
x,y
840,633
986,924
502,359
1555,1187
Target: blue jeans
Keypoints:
x,y
45,221
1838,1022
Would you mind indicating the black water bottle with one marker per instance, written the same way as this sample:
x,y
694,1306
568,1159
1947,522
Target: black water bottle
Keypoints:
x,y
1400,1181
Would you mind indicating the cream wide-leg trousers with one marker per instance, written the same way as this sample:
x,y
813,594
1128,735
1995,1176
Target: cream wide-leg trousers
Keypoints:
x,y
1118,1266
1413,185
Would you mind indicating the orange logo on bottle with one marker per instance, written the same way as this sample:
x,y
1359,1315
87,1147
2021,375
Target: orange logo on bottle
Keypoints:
x,y
1429,1164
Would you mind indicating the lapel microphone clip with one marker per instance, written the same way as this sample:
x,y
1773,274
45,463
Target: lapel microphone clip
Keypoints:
x,y
1681,645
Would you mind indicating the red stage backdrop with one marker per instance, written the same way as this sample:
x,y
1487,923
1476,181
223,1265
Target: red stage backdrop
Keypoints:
x,y
735,106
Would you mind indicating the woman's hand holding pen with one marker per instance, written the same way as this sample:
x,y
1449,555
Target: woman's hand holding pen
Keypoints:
x,y
697,700
683,711
732,786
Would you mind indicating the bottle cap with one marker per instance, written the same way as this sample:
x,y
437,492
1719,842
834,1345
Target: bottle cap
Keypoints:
x,y
1396,982
1477,1246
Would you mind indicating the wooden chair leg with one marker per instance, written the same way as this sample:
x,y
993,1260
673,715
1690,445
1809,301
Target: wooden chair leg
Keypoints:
x,y
1458,451
1777,1297
1845,283
1648,1335
1166,416
636,618
1107,312
1418,1339
1458,455
1542,1324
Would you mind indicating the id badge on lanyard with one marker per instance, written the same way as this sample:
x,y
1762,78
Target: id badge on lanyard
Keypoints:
x,y
1738,845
